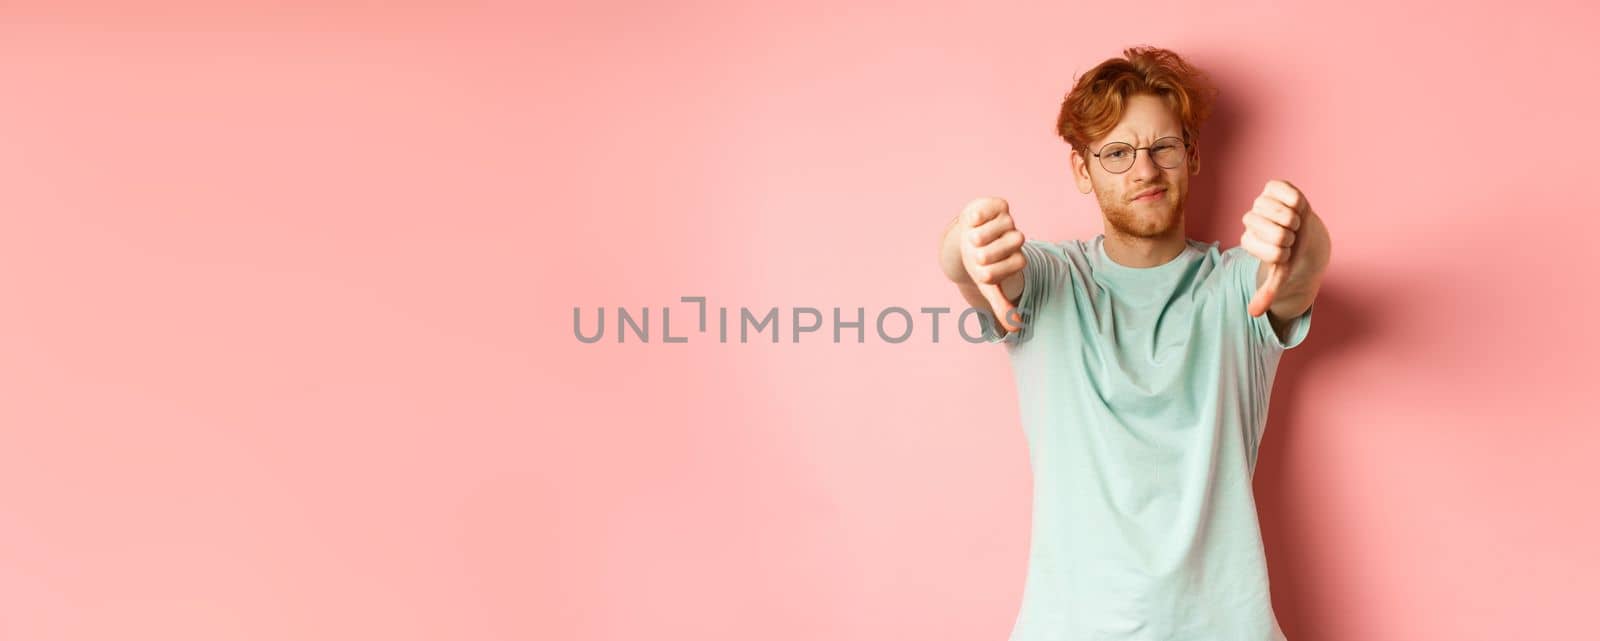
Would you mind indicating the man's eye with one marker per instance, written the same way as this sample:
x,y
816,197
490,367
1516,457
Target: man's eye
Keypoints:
x,y
1163,148
1118,154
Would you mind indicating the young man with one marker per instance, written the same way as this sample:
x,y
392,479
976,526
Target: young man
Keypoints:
x,y
1143,362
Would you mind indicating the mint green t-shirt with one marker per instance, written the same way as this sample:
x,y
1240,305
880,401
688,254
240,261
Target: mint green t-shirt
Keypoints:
x,y
1143,395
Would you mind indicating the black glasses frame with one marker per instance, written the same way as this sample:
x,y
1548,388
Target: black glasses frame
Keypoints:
x,y
1182,143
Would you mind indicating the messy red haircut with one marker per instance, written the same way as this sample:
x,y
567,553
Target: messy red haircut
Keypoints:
x,y
1094,106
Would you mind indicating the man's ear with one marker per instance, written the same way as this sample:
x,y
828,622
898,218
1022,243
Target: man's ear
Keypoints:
x,y
1080,172
1194,158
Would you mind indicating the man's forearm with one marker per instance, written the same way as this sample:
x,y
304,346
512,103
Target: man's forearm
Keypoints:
x,y
974,298
950,256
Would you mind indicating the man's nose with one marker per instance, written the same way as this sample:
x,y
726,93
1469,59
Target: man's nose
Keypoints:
x,y
1144,165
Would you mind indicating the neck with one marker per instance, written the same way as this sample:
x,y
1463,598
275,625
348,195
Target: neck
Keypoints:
x,y
1134,251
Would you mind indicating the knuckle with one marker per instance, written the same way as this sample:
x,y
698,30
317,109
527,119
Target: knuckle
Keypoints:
x,y
977,208
990,203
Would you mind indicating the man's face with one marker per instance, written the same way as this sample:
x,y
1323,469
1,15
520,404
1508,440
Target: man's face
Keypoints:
x,y
1144,120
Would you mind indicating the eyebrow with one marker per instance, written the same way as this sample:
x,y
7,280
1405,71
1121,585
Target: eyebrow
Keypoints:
x,y
1176,135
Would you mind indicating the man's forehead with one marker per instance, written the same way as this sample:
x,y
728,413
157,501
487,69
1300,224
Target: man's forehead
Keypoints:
x,y
1146,119
1127,132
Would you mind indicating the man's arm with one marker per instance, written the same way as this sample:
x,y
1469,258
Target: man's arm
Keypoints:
x,y
1288,237
981,252
1308,262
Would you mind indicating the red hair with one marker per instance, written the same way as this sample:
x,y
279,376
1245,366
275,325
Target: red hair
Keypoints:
x,y
1094,106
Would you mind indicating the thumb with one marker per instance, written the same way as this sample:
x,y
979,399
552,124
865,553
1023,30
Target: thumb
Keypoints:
x,y
1003,309
1276,274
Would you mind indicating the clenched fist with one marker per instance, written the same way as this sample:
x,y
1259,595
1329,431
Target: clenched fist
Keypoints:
x,y
991,252
1275,231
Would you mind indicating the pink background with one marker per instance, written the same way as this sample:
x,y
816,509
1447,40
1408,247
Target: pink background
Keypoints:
x,y
287,344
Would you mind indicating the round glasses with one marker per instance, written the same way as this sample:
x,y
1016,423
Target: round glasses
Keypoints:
x,y
1118,157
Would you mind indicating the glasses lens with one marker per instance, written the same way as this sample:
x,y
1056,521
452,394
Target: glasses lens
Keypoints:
x,y
1167,152
1116,157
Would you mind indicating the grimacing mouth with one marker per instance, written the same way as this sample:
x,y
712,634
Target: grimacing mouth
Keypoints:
x,y
1148,191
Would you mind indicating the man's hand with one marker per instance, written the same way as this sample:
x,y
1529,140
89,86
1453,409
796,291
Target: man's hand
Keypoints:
x,y
991,253
1290,240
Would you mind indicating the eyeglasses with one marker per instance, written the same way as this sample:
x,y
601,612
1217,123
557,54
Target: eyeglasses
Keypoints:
x,y
1118,157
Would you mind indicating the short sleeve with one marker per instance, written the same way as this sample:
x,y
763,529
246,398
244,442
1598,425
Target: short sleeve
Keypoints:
x,y
1037,277
1262,334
